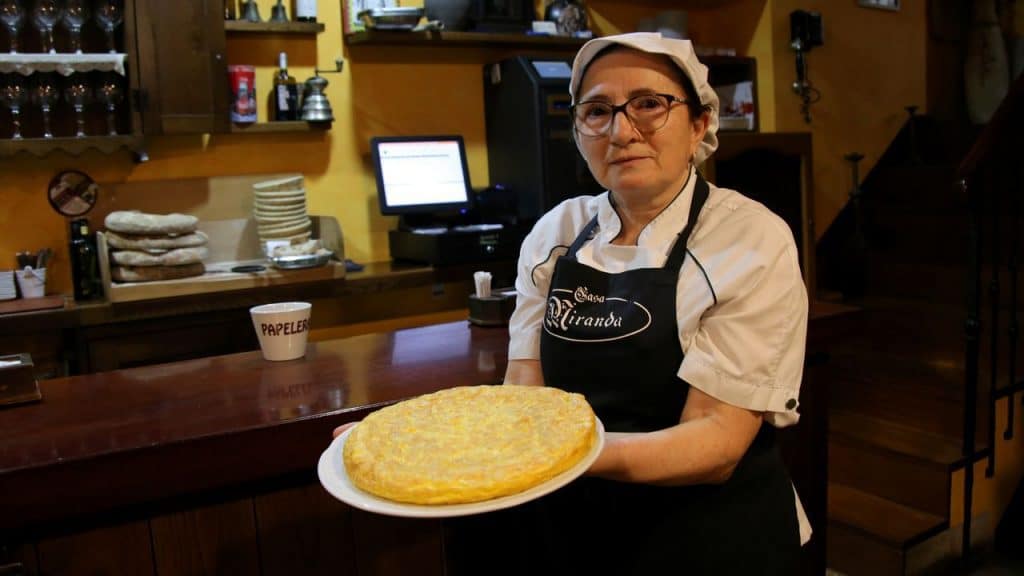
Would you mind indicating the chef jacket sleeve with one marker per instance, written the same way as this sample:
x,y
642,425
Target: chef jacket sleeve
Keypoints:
x,y
537,256
748,349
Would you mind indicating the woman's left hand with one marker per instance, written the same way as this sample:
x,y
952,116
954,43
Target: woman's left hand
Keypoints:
x,y
704,448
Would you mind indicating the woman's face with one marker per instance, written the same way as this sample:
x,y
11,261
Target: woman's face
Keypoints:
x,y
624,160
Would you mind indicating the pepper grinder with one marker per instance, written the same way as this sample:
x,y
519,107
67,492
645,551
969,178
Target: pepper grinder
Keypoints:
x,y
315,106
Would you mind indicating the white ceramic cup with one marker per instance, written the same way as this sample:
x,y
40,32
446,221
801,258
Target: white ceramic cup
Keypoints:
x,y
32,282
282,329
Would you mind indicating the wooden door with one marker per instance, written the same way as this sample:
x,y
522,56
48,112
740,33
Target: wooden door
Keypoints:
x,y
183,67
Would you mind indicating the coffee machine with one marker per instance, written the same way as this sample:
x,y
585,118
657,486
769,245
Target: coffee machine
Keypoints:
x,y
530,150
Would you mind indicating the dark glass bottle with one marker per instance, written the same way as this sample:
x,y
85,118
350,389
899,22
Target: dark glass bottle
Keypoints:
x,y
84,261
285,97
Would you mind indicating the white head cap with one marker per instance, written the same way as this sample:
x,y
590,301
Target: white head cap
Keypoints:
x,y
680,52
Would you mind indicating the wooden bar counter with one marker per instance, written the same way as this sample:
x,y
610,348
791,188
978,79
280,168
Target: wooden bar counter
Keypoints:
x,y
118,456
208,466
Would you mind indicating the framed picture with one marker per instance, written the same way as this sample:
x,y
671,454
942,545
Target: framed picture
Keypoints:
x,y
350,10
893,5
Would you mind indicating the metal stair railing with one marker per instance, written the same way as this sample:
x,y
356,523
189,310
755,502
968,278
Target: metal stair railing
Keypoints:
x,y
990,176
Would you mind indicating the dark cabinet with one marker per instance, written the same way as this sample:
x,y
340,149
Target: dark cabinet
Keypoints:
x,y
107,118
183,70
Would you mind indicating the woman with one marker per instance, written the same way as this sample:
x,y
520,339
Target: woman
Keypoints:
x,y
678,309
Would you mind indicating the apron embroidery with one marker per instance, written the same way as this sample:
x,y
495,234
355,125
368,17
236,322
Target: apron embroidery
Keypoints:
x,y
593,318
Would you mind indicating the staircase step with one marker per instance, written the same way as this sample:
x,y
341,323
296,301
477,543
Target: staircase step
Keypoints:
x,y
897,276
935,236
925,339
930,185
907,276
901,479
870,535
941,450
888,522
851,552
898,390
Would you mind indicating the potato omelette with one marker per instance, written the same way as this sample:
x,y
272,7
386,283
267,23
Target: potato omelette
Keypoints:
x,y
469,443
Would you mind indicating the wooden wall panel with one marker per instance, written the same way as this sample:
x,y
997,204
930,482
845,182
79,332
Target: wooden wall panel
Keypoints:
x,y
388,546
218,539
306,531
113,550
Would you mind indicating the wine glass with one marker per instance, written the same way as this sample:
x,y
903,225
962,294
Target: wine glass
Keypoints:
x,y
110,14
76,13
77,92
45,95
13,94
46,14
12,13
109,93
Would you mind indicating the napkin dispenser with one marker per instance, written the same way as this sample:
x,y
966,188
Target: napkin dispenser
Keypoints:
x,y
494,310
18,380
489,307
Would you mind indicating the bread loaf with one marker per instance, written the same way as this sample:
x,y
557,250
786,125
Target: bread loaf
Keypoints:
x,y
153,273
142,223
175,257
299,249
147,243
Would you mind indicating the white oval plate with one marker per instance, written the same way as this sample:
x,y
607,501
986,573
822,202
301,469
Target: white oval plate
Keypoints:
x,y
335,480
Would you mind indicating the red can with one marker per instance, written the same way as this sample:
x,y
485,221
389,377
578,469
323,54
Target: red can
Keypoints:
x,y
243,93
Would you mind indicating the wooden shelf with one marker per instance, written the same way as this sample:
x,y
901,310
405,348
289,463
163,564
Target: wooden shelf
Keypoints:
x,y
244,26
74,146
279,127
461,39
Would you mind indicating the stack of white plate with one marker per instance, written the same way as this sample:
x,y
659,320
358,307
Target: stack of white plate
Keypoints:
x,y
279,207
7,291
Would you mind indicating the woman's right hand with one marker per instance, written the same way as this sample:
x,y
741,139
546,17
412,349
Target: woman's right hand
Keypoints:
x,y
341,429
524,373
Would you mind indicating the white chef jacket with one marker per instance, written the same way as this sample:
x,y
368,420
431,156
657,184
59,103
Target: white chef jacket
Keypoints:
x,y
741,303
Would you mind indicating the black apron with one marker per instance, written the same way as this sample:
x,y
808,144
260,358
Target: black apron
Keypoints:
x,y
614,338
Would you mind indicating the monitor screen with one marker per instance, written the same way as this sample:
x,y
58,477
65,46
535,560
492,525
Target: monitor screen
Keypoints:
x,y
421,174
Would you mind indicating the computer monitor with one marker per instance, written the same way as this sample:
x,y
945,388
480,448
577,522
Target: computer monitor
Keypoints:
x,y
421,174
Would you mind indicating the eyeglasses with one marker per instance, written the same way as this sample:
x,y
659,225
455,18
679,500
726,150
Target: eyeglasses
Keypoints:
x,y
646,112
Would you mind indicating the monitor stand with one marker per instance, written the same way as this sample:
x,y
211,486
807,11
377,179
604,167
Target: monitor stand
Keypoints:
x,y
444,245
437,222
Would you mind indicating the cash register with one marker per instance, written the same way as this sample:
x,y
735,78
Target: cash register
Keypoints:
x,y
424,180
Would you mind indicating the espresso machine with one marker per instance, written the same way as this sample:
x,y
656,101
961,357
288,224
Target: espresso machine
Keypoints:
x,y
530,150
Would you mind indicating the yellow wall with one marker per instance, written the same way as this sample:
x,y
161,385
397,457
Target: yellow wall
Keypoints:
x,y
416,91
872,64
